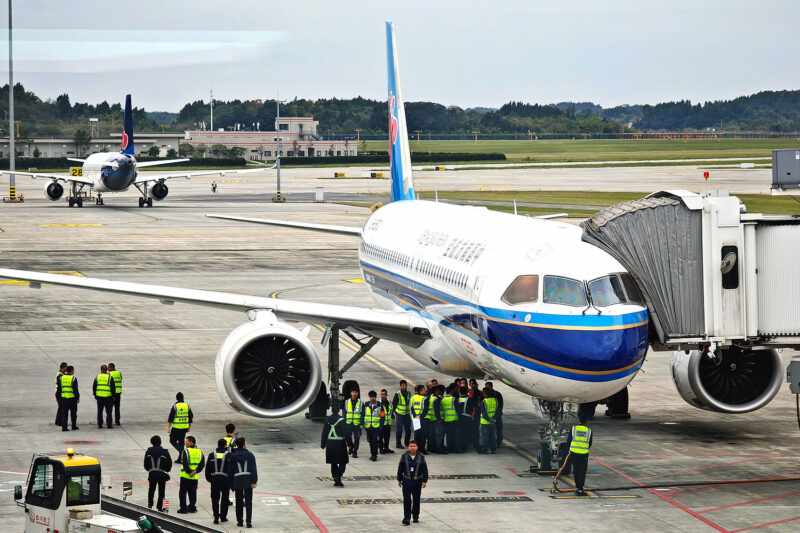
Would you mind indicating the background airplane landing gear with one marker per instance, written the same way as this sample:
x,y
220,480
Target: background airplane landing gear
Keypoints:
x,y
99,200
145,202
75,202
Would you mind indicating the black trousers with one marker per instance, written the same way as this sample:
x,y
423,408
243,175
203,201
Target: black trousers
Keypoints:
x,y
386,436
104,404
188,490
160,484
412,490
176,439
580,463
115,400
220,493
451,437
464,433
59,411
419,437
244,501
403,429
373,437
354,438
69,410
337,470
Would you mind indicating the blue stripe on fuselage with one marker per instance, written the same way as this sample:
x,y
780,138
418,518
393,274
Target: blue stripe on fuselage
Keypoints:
x,y
586,348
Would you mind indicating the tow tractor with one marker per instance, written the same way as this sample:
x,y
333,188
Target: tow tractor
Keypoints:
x,y
63,495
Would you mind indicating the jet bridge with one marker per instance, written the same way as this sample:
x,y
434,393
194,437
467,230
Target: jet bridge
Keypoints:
x,y
722,287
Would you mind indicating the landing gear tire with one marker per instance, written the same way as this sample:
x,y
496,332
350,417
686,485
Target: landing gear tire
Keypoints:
x,y
141,202
149,202
617,405
71,201
79,201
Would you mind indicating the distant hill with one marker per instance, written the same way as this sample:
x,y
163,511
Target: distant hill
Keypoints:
x,y
769,111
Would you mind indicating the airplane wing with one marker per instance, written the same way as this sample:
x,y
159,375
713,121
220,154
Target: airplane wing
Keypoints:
x,y
144,178
552,215
54,177
404,328
327,228
142,164
76,159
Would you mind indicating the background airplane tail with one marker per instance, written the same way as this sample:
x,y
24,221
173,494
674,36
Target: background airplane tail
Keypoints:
x,y
399,152
127,146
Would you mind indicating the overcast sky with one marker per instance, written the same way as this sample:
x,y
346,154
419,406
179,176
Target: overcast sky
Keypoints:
x,y
456,52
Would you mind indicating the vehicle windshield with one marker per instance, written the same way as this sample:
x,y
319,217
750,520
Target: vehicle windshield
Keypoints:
x,y
607,291
83,488
564,291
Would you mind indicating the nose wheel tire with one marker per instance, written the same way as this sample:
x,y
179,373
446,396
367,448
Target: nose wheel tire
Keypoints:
x,y
145,203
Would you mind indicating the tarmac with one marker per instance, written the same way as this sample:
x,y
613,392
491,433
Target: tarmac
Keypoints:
x,y
163,349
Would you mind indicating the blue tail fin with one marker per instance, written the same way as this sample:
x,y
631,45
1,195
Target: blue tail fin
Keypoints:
x,y
399,153
127,146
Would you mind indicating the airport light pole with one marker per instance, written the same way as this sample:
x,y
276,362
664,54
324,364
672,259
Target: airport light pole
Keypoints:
x,y
12,185
278,198
211,92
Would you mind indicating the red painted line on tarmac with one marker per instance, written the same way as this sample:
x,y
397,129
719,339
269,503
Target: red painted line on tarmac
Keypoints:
x,y
767,524
750,502
512,470
673,503
310,514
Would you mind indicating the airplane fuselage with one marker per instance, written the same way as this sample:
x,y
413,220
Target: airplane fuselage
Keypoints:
x,y
568,329
110,171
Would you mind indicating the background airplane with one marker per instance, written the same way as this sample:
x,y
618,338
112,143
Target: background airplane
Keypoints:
x,y
106,172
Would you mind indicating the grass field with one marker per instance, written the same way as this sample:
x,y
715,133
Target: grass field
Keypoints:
x,y
570,202
606,150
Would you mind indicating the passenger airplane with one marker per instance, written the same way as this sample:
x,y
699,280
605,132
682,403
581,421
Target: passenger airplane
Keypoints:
x,y
463,290
116,172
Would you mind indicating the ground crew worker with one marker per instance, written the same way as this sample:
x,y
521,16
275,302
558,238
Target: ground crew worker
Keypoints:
x,y
230,436
488,421
388,419
217,476
178,422
373,424
62,368
158,463
192,463
401,408
474,399
499,414
70,397
465,417
450,419
102,389
243,474
412,476
116,395
417,405
580,441
335,446
432,418
353,417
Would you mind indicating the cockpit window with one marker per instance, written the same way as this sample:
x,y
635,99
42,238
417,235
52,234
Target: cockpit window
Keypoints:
x,y
524,289
606,291
564,291
632,289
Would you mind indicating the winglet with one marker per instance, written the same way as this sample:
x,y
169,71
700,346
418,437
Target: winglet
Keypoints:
x,y
127,146
399,153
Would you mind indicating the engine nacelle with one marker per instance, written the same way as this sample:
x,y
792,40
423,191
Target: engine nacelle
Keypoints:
x,y
159,191
267,368
732,380
53,191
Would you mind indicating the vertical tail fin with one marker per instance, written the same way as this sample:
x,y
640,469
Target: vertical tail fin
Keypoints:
x,y
127,146
399,153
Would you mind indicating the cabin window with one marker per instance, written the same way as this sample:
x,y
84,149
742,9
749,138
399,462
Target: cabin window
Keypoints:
x,y
564,291
524,289
606,291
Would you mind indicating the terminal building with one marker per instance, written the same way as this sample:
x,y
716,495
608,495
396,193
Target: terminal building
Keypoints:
x,y
294,137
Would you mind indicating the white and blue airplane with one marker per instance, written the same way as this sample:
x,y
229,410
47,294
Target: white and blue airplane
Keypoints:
x,y
109,172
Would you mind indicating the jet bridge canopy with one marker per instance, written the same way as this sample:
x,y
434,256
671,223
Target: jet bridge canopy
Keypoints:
x,y
709,271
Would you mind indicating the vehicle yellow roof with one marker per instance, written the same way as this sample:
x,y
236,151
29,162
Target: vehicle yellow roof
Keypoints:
x,y
72,459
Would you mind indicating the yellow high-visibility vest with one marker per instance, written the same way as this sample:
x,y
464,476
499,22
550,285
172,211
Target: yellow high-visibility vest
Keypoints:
x,y
449,413
402,404
491,408
353,412
430,415
580,440
372,416
195,456
117,376
103,386
66,386
181,420
416,404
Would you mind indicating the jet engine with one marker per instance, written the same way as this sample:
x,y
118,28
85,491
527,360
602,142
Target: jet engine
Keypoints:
x,y
159,191
730,380
54,190
267,368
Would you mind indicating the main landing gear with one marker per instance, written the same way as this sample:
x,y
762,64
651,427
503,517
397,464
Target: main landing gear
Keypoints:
x,y
99,200
146,200
75,199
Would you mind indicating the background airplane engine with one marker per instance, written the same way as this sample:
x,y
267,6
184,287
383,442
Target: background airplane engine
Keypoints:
x,y
53,191
159,191
733,381
267,368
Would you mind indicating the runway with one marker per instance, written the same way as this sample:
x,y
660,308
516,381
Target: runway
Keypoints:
x,y
162,349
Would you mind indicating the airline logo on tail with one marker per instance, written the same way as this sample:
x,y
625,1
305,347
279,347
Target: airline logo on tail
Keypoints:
x,y
126,146
399,153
